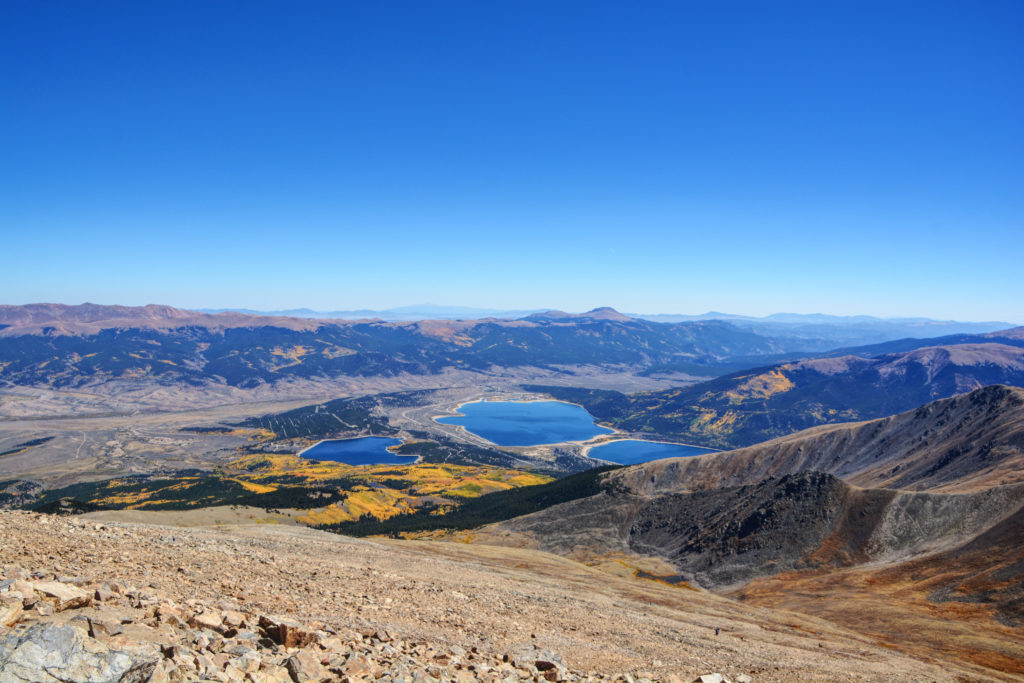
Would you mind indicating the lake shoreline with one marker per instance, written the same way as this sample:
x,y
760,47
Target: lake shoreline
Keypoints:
x,y
485,430
681,448
586,446
414,459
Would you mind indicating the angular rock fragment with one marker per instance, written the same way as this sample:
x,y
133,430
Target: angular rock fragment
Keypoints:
x,y
287,632
102,629
710,678
10,609
63,596
234,619
210,620
304,667
271,674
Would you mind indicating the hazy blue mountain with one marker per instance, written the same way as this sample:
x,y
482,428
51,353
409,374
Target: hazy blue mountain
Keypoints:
x,y
819,332
401,313
803,333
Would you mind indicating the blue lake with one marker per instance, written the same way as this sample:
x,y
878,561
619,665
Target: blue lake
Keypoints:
x,y
631,451
366,450
520,423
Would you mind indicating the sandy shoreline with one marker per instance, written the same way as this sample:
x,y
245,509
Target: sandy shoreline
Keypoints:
x,y
587,447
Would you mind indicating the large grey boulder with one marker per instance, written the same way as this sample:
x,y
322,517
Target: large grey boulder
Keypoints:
x,y
49,653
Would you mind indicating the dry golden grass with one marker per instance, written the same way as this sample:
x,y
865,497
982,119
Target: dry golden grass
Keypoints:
x,y
892,607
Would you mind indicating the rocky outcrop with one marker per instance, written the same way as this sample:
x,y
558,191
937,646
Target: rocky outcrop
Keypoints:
x,y
132,636
52,653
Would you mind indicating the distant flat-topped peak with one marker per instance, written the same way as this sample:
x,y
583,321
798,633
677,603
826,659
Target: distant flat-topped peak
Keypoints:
x,y
601,313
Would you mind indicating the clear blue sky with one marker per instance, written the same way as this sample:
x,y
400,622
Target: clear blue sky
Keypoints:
x,y
750,157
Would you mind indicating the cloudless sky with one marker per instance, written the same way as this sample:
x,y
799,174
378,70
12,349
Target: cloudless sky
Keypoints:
x,y
658,157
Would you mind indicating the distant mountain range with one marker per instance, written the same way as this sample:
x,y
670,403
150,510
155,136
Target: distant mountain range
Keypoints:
x,y
818,331
824,332
399,314
73,346
64,346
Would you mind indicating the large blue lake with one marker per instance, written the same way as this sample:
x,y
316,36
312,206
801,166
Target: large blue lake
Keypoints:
x,y
631,451
366,450
521,423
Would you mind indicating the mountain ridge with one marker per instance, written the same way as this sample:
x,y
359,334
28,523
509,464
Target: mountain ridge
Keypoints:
x,y
755,405
961,443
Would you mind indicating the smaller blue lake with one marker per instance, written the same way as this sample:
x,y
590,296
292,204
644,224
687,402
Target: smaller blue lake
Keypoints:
x,y
526,423
366,450
632,451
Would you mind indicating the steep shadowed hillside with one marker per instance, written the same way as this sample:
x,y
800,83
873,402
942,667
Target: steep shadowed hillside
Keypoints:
x,y
726,536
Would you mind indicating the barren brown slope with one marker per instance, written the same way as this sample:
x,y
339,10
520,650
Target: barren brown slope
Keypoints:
x,y
1012,333
934,575
444,594
966,603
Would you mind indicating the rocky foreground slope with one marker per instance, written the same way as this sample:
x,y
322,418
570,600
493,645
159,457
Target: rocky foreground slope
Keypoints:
x,y
84,600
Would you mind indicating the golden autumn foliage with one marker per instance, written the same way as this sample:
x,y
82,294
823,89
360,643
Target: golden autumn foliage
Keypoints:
x,y
760,386
378,490
710,422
